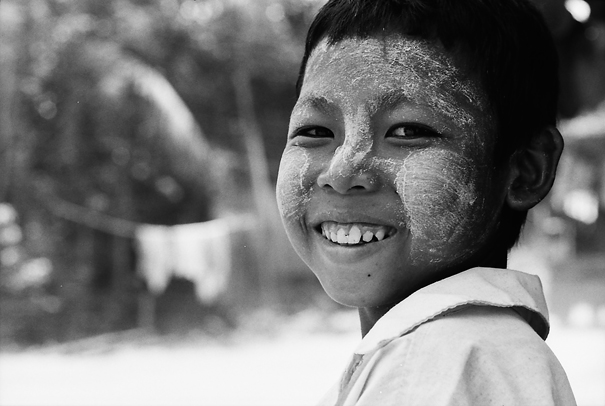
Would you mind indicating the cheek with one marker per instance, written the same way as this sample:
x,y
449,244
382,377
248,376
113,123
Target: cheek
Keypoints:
x,y
444,210
293,184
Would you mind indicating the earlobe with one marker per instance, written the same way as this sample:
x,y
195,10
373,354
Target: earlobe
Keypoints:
x,y
533,169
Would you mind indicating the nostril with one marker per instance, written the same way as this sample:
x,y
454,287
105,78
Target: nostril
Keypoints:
x,y
323,181
351,182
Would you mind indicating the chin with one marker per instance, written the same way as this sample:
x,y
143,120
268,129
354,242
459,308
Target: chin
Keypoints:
x,y
358,297
348,300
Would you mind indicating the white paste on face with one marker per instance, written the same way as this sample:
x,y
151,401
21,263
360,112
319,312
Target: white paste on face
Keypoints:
x,y
409,67
440,203
350,157
441,200
293,194
390,169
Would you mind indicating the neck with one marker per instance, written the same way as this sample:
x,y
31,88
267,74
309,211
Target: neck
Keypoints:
x,y
495,259
368,316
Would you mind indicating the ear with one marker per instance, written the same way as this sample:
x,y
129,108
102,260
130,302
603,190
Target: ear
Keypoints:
x,y
533,169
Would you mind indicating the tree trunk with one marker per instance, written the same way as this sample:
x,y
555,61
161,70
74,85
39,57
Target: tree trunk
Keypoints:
x,y
259,176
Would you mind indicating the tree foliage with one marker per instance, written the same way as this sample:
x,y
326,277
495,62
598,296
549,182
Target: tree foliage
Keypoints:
x,y
128,110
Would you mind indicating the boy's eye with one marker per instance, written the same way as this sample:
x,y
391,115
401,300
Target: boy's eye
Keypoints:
x,y
314,132
411,131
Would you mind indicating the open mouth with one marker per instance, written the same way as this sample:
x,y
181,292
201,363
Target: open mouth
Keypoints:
x,y
354,233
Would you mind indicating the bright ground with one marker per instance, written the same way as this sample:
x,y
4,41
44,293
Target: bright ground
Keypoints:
x,y
292,368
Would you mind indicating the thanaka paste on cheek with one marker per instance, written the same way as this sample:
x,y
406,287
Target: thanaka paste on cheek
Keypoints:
x,y
293,194
442,202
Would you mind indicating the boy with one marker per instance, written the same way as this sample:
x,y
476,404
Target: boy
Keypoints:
x,y
422,134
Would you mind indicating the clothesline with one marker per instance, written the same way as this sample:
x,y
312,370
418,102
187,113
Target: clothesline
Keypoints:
x,y
110,224
90,218
200,252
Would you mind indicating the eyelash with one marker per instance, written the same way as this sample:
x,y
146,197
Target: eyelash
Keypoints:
x,y
416,131
305,132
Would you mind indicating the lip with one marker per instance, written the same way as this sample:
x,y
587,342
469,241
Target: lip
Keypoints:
x,y
349,218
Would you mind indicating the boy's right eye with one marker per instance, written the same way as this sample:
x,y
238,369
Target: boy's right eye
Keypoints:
x,y
311,136
314,132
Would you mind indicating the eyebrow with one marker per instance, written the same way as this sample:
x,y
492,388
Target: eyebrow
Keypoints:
x,y
396,97
319,103
388,100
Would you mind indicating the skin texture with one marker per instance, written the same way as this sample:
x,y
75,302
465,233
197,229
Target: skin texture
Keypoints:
x,y
389,132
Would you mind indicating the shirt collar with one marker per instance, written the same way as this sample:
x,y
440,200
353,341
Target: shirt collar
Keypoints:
x,y
475,287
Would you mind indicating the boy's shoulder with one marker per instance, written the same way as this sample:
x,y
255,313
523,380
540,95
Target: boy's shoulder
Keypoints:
x,y
484,346
454,299
474,355
475,334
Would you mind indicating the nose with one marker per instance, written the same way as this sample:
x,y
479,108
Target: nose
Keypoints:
x,y
350,171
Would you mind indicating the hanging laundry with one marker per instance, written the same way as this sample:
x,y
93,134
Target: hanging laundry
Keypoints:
x,y
199,252
155,256
218,248
202,254
189,257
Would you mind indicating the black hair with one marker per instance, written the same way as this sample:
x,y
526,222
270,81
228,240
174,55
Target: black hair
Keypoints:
x,y
504,43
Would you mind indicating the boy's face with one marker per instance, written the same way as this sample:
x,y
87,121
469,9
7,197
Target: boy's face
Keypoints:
x,y
387,179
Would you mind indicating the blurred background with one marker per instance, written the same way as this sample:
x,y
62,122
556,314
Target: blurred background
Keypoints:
x,y
134,132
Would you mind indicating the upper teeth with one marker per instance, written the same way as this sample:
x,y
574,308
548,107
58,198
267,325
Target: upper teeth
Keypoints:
x,y
352,233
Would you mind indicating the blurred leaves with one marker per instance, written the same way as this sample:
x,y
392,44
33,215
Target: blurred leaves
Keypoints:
x,y
143,90
127,109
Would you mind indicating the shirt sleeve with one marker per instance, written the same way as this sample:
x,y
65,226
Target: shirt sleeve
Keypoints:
x,y
480,356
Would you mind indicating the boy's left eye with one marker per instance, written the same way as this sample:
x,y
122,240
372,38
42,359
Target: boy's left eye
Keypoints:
x,y
411,131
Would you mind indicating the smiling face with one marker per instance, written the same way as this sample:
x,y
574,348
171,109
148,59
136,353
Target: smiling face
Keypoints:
x,y
387,179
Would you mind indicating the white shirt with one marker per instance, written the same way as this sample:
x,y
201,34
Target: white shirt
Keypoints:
x,y
476,338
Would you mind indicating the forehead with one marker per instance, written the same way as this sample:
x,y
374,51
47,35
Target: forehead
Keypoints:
x,y
391,70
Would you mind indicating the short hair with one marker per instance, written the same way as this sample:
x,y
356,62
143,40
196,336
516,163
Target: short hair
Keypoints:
x,y
505,43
